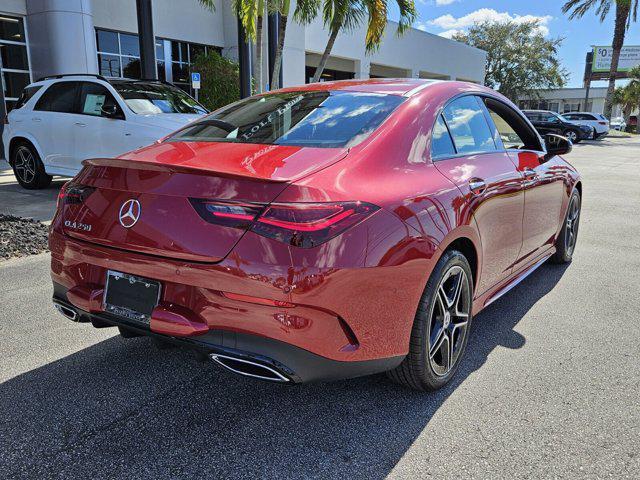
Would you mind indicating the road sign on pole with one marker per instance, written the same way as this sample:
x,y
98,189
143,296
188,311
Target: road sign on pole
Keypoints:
x,y
195,82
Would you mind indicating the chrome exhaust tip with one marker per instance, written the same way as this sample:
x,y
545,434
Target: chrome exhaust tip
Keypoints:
x,y
68,312
248,368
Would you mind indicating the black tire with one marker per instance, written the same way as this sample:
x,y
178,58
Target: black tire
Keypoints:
x,y
28,168
420,369
572,135
566,241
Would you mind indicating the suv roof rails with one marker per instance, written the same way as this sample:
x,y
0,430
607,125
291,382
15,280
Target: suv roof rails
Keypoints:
x,y
49,77
134,80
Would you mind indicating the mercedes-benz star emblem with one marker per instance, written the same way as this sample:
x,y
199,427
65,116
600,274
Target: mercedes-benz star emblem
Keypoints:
x,y
129,213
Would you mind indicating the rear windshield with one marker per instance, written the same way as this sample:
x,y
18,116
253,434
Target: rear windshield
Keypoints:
x,y
311,119
150,98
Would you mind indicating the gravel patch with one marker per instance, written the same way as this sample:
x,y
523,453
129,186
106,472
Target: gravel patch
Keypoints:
x,y
21,236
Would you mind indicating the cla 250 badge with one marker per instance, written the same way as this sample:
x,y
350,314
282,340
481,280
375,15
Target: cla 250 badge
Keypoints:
x,y
77,226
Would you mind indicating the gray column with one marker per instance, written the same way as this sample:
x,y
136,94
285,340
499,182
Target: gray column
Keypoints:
x,y
62,38
147,40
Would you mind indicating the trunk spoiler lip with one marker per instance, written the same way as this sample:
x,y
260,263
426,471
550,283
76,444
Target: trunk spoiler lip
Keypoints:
x,y
162,167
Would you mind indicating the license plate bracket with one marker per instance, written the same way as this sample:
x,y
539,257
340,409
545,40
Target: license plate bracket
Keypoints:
x,y
130,296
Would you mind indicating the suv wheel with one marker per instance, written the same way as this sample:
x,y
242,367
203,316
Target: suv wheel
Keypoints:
x,y
441,327
28,168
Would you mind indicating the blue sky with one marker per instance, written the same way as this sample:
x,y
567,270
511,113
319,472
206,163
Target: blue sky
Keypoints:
x,y
444,16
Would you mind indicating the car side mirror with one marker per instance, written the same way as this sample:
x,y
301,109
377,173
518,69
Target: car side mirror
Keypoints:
x,y
110,111
556,145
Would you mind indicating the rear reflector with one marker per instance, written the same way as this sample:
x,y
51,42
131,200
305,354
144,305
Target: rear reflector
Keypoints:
x,y
299,224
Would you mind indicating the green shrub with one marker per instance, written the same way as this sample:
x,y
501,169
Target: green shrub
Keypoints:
x,y
220,80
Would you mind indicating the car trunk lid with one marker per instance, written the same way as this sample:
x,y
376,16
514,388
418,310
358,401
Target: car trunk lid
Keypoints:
x,y
141,201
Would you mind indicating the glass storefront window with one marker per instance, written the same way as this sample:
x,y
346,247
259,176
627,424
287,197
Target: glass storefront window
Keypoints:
x,y
14,59
107,41
119,56
12,29
129,45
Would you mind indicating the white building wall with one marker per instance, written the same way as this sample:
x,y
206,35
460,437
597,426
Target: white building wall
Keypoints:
x,y
184,20
419,53
15,7
62,39
571,99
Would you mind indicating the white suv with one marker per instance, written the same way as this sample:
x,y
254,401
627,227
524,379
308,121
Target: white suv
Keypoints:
x,y
598,121
60,121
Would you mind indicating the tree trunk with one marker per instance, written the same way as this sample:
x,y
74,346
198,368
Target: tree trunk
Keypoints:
x,y
622,14
325,55
626,113
277,63
258,81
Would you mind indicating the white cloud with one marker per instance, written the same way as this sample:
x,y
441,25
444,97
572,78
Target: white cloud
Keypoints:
x,y
451,24
445,2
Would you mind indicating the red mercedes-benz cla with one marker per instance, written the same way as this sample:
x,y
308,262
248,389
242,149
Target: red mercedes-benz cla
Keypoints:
x,y
320,232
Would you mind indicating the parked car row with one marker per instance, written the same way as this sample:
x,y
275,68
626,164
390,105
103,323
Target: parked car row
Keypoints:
x,y
62,120
547,121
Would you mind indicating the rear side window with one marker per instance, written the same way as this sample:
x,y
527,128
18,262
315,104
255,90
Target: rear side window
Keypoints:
x,y
312,119
59,97
26,95
441,143
95,98
468,126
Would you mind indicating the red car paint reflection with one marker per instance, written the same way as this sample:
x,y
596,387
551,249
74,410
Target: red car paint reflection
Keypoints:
x,y
347,294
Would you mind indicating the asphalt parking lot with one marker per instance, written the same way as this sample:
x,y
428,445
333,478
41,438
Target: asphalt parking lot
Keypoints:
x,y
550,387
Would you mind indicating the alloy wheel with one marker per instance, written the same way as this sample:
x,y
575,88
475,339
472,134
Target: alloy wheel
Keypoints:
x,y
573,220
25,164
571,135
449,320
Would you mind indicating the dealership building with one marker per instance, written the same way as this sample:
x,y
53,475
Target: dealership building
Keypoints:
x,y
49,37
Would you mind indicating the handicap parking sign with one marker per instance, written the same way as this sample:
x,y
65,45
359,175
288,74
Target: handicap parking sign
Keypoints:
x,y
195,80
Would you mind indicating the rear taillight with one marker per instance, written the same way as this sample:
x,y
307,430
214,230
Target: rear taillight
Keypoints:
x,y
73,194
299,224
309,224
602,123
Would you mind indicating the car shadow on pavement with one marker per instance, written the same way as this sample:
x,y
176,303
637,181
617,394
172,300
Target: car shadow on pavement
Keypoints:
x,y
123,408
37,204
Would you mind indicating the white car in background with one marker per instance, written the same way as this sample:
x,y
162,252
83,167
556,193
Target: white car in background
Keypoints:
x,y
60,121
598,121
618,123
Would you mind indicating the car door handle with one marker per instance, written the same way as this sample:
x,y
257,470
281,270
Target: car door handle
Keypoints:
x,y
529,173
80,124
36,119
477,186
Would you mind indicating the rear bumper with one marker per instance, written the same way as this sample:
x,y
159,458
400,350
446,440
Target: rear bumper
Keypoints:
x,y
295,364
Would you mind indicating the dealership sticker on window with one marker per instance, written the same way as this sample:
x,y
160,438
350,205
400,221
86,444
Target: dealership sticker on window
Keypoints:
x,y
93,104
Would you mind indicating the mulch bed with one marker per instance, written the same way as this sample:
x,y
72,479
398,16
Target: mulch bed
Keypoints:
x,y
21,236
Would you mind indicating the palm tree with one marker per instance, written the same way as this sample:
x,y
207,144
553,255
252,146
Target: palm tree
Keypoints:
x,y
346,15
282,8
251,14
624,96
634,92
626,11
